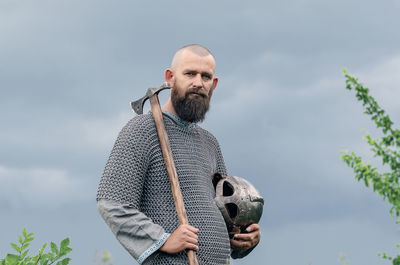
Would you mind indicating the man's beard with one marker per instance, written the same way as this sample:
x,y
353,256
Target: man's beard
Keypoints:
x,y
192,107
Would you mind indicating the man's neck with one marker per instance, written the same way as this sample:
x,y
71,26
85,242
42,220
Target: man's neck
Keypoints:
x,y
169,107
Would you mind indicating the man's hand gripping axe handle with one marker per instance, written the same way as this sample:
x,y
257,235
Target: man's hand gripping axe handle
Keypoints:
x,y
137,106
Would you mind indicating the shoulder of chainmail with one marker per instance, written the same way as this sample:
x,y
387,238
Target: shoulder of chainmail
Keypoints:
x,y
130,148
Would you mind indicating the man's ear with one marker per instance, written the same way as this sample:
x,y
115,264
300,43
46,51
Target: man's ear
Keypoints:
x,y
214,85
169,77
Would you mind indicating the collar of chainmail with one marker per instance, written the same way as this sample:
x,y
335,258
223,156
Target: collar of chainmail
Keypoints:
x,y
179,121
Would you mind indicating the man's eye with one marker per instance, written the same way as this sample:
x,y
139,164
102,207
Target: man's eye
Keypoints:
x,y
190,74
206,77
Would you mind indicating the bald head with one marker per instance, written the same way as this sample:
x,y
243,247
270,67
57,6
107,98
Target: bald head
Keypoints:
x,y
196,49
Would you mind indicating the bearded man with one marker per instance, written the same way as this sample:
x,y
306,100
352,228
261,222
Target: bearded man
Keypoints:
x,y
134,196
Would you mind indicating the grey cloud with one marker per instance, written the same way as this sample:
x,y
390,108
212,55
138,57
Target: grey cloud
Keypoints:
x,y
39,188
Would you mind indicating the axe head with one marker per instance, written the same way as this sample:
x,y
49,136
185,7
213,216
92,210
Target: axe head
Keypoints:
x,y
137,105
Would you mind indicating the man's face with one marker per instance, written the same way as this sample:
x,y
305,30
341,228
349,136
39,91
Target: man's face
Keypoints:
x,y
193,86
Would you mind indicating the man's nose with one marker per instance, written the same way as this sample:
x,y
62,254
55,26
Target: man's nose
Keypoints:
x,y
198,81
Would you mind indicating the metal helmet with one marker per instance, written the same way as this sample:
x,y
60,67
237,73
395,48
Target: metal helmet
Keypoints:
x,y
239,202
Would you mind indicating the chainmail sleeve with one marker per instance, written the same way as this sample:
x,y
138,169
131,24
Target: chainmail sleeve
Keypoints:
x,y
126,167
121,188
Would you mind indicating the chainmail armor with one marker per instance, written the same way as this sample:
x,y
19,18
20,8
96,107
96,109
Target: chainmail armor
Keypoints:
x,y
135,173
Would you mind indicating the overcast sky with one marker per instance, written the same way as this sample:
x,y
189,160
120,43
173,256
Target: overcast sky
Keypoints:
x,y
68,70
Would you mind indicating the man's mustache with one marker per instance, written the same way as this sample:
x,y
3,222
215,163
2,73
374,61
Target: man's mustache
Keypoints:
x,y
197,91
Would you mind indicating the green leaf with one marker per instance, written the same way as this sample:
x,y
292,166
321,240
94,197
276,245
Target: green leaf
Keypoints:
x,y
54,248
25,253
16,247
396,261
67,250
64,249
24,247
44,262
29,239
64,261
51,256
11,259
42,249
64,243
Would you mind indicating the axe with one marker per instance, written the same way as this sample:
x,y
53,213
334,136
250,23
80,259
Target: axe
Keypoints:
x,y
137,106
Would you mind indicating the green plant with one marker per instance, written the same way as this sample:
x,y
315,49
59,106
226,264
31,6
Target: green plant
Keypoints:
x,y
57,254
387,148
343,258
104,259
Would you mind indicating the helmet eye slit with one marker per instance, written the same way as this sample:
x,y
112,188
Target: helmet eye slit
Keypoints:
x,y
227,189
232,210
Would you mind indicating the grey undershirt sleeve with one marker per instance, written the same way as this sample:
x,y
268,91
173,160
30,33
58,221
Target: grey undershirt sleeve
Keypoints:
x,y
134,230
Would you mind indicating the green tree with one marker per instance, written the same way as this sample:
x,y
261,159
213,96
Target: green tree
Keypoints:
x,y
57,254
386,184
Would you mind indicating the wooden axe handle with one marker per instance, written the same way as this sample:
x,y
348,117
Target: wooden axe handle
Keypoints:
x,y
171,169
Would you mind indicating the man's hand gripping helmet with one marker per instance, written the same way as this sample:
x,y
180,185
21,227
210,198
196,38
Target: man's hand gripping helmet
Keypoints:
x,y
239,202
